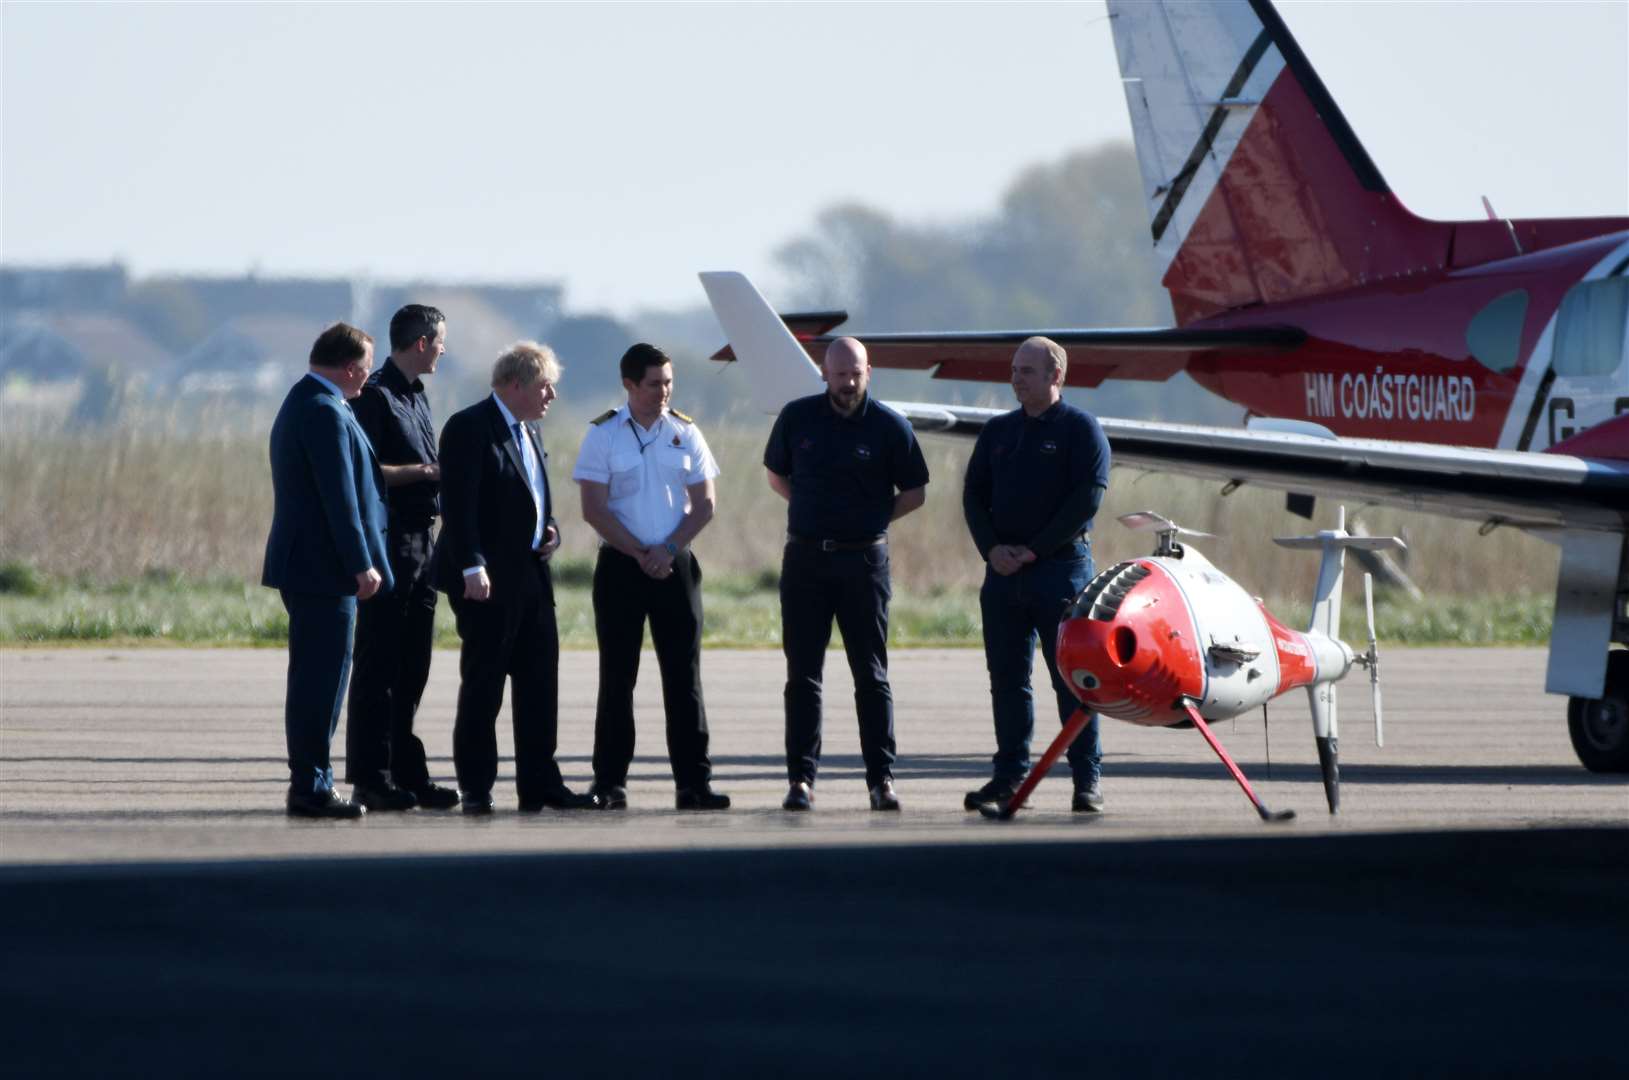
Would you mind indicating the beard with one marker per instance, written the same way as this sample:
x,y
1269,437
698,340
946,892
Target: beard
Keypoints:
x,y
847,399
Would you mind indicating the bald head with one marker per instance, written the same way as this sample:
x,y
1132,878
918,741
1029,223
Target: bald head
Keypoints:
x,y
1038,368
847,372
1047,351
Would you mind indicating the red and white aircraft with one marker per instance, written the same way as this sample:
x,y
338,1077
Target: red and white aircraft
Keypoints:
x,y
1385,359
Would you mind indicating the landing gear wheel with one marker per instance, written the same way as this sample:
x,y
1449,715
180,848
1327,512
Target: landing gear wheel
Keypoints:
x,y
1600,726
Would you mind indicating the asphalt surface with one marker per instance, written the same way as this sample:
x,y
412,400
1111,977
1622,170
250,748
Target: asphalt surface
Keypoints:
x,y
1465,913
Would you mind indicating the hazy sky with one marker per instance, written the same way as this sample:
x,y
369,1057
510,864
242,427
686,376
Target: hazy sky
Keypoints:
x,y
621,148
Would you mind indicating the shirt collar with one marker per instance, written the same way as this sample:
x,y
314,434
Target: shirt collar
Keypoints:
x,y
1049,414
329,383
854,417
394,375
625,414
509,420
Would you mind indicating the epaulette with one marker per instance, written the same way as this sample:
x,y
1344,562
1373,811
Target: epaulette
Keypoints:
x,y
603,417
671,411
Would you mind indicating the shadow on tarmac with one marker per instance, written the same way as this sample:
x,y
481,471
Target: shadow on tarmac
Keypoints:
x,y
1502,953
975,768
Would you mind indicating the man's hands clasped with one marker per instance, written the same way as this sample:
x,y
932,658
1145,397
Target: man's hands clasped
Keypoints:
x,y
656,562
1008,559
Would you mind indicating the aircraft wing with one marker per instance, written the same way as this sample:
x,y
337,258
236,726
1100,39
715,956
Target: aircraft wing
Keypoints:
x,y
1151,355
1504,487
1542,491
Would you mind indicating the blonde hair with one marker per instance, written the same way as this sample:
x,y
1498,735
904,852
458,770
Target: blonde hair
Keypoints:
x,y
1060,359
525,362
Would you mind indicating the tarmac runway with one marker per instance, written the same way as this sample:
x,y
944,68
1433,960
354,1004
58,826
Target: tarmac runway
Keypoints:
x,y
1465,912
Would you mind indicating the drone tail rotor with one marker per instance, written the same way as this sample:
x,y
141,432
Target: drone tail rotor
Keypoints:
x,y
1371,660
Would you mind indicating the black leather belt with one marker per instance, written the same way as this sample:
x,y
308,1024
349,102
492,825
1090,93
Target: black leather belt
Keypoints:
x,y
1067,551
839,545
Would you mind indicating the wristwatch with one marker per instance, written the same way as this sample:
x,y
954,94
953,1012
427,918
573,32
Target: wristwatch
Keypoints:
x,y
672,549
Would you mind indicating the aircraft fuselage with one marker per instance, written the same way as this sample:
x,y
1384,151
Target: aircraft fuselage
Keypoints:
x,y
1464,357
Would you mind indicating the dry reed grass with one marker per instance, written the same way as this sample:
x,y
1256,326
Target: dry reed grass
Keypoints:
x,y
190,493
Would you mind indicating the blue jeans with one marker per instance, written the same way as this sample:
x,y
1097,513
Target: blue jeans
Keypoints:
x,y
1017,609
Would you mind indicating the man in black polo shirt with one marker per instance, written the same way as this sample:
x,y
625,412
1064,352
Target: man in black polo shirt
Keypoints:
x,y
1032,487
395,631
847,465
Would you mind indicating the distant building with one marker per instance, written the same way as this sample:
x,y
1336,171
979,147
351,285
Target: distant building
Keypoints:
x,y
61,288
252,355
324,300
242,336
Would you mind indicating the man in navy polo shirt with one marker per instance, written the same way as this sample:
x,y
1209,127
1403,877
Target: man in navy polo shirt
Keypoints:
x,y
847,466
1032,487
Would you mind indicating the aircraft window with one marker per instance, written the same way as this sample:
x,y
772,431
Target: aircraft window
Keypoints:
x,y
1590,327
1494,335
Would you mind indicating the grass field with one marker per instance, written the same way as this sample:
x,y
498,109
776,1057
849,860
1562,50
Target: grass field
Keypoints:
x,y
743,611
154,530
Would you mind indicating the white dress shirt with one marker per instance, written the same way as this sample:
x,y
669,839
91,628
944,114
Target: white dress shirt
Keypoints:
x,y
648,470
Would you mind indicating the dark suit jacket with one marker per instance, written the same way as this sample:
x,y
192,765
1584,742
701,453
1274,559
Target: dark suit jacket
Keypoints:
x,y
328,520
487,513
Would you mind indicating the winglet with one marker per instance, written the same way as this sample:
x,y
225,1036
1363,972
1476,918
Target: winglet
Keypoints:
x,y
777,368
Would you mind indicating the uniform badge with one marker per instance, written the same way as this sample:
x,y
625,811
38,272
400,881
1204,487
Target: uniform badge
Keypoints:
x,y
1049,447
862,452
806,444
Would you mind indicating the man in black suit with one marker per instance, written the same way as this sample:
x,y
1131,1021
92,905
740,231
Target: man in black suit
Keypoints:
x,y
395,633
326,551
492,561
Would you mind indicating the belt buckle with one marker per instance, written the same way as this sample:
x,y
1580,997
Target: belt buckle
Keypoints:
x,y
828,545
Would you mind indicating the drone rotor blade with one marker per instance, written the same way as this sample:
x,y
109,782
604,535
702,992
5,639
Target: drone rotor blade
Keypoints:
x,y
1374,661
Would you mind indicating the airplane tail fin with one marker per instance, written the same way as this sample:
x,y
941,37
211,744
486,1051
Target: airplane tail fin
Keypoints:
x,y
1257,189
777,368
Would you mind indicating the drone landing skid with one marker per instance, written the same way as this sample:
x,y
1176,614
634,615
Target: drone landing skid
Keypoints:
x,y
1071,731
1255,800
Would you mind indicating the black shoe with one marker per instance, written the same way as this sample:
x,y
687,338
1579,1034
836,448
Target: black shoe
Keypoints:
x,y
701,797
883,796
387,797
564,799
323,804
799,797
610,796
477,803
1088,800
996,791
435,797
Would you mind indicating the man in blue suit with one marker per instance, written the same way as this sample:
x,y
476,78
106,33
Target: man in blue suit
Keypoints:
x,y
326,551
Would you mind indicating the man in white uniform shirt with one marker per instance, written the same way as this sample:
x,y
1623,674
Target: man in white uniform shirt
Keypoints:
x,y
647,483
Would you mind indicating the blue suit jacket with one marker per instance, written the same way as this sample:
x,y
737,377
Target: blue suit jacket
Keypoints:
x,y
329,517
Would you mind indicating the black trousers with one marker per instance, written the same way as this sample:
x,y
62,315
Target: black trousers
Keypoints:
x,y
395,632
511,636
624,597
320,629
853,587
